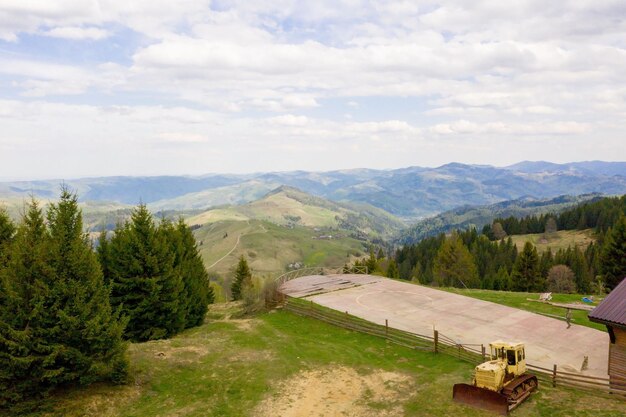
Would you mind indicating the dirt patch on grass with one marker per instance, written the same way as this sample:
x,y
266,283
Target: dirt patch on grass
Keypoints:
x,y
172,350
245,324
339,391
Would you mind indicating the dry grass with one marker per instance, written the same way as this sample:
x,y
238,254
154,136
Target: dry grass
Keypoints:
x,y
555,241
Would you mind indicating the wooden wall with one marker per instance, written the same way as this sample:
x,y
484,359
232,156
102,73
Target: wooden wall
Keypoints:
x,y
617,356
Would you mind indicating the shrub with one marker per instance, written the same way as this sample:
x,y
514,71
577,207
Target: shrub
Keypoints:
x,y
561,279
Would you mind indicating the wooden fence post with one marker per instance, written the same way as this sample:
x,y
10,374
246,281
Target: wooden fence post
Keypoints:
x,y
386,327
554,376
436,340
482,350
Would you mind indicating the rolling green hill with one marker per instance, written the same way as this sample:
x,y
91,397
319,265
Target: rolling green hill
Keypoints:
x,y
288,227
288,206
271,248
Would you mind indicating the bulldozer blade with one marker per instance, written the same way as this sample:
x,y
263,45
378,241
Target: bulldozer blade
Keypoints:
x,y
480,398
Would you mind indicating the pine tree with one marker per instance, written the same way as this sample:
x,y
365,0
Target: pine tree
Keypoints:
x,y
526,275
454,265
546,262
371,263
197,291
613,256
7,229
140,266
243,277
87,328
502,280
579,265
27,365
392,269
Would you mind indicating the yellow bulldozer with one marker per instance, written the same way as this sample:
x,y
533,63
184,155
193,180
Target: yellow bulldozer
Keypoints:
x,y
500,384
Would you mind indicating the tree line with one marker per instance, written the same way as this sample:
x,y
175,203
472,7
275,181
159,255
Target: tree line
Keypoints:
x,y
473,260
599,215
66,310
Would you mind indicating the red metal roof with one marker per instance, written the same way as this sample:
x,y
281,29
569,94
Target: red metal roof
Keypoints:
x,y
612,309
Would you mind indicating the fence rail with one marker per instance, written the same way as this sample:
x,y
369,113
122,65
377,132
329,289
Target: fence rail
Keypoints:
x,y
319,270
440,343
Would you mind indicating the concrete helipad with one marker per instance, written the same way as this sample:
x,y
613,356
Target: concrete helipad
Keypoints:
x,y
466,320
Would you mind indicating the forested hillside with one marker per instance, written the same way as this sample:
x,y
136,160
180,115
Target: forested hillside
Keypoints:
x,y
490,260
466,217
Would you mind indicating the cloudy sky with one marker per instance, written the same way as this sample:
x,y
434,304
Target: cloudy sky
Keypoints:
x,y
147,87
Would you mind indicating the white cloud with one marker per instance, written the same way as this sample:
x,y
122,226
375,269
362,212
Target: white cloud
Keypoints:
x,y
486,79
77,33
288,120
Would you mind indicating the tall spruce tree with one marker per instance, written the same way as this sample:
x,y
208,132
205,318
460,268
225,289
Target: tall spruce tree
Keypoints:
x,y
371,263
613,256
88,329
140,267
454,265
243,277
392,269
27,366
56,324
526,275
197,293
7,232
7,228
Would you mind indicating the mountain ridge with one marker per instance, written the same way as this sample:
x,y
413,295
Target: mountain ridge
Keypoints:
x,y
411,192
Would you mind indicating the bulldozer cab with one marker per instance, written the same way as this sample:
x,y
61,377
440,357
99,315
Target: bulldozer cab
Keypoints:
x,y
512,353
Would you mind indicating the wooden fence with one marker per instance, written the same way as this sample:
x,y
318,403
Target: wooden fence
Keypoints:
x,y
440,343
318,270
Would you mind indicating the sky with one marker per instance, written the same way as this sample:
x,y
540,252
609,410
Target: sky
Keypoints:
x,y
155,87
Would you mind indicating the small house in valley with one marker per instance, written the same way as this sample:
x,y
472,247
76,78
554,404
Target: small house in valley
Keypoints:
x,y
612,313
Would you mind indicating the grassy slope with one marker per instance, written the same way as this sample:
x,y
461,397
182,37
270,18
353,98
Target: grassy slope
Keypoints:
x,y
275,207
225,367
520,300
555,241
270,247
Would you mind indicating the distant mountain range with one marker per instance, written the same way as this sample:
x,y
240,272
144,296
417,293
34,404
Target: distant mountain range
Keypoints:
x,y
465,217
410,193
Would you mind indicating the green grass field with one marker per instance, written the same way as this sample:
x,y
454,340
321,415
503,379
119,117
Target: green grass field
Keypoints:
x,y
555,241
521,300
278,363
